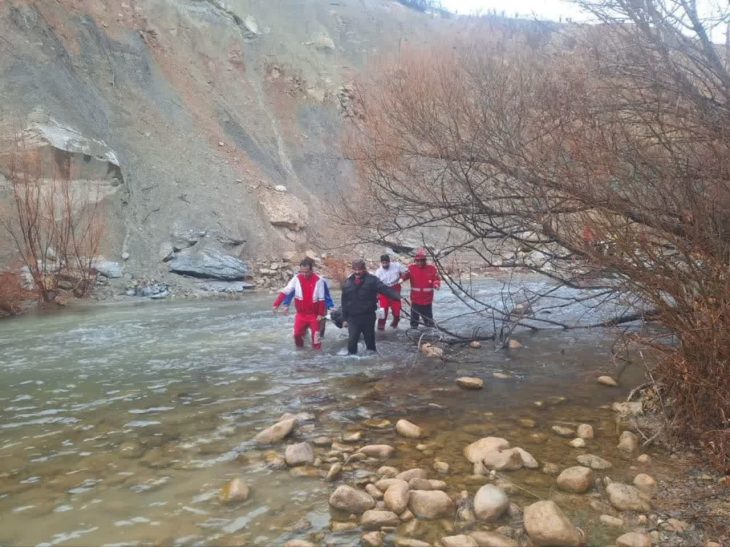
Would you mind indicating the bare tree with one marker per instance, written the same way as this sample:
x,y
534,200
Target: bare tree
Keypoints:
x,y
599,156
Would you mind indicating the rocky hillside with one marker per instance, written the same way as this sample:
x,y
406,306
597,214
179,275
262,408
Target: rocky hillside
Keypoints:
x,y
213,128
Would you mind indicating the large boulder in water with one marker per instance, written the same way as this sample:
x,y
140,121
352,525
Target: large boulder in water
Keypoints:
x,y
209,263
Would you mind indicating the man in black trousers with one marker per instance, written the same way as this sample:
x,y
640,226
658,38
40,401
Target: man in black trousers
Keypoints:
x,y
359,302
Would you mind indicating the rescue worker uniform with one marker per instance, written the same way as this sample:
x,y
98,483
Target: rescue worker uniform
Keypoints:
x,y
391,278
424,280
329,304
310,303
359,302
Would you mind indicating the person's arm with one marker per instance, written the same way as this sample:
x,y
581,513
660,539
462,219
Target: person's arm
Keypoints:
x,y
345,302
405,274
436,279
287,293
328,297
382,288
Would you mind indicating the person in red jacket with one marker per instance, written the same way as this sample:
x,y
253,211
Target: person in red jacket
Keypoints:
x,y
309,301
424,280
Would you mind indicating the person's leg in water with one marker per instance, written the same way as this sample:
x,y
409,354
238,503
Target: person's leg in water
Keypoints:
x,y
427,314
383,302
415,316
315,326
322,327
353,331
395,307
368,331
300,329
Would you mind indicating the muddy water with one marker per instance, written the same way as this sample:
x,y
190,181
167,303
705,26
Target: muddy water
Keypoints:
x,y
120,423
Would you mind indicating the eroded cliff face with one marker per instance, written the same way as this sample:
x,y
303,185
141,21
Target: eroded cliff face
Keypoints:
x,y
219,119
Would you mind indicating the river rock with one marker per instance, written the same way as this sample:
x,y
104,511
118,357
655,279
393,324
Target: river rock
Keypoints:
x,y
408,429
628,441
546,524
502,376
410,542
634,539
384,484
381,451
299,543
459,541
420,484
396,496
626,498
493,539
374,491
386,471
528,459
490,503
470,382
551,468
585,431
351,436
351,500
607,381
441,467
130,449
644,458
373,539
594,462
577,443
576,479
475,344
299,454
527,422
209,263
646,484
415,473
513,344
431,504
334,472
503,460
377,423
563,431
276,432
235,491
628,408
476,451
375,520
431,350
608,520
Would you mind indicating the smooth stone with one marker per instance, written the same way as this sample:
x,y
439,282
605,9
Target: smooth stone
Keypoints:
x,y
431,504
551,469
585,431
634,539
502,376
380,451
576,479
415,473
460,540
527,422
321,441
577,443
490,503
406,516
607,381
420,484
441,467
646,484
470,382
514,344
493,539
476,451
299,454
274,460
563,431
644,458
528,460
408,429
374,519
276,432
347,498
374,423
626,498
351,437
410,542
373,539
299,543
386,471
373,491
334,472
437,485
235,491
608,520
594,462
130,449
343,526
305,471
503,460
546,524
628,441
475,344
384,484
396,496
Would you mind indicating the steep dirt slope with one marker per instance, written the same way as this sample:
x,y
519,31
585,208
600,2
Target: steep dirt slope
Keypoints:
x,y
224,119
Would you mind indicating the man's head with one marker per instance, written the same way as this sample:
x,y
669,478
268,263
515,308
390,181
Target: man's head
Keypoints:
x,y
306,267
358,267
420,257
385,261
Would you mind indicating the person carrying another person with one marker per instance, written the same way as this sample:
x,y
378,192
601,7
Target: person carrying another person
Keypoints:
x,y
359,302
424,279
389,273
309,300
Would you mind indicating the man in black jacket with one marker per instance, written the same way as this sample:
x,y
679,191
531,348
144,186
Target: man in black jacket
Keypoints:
x,y
359,302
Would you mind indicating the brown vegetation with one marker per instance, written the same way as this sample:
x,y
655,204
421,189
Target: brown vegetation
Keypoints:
x,y
601,153
12,293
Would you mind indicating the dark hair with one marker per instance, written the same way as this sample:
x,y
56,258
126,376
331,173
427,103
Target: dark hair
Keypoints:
x,y
384,258
308,262
358,262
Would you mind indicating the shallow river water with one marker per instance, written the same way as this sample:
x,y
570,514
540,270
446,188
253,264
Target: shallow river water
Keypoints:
x,y
121,422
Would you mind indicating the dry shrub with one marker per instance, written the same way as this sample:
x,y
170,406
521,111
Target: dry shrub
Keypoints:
x,y
12,293
337,270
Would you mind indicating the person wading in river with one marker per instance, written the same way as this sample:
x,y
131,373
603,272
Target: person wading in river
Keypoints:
x,y
389,273
424,280
309,301
359,302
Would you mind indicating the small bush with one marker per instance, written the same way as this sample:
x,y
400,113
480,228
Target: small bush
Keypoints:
x,y
12,293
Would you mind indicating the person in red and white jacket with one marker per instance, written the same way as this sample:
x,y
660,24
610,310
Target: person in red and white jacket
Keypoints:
x,y
309,301
424,279
389,273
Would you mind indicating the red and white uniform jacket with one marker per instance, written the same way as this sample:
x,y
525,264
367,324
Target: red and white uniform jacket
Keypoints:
x,y
391,276
309,294
424,280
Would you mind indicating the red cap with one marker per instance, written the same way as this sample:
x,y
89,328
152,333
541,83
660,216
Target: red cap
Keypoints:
x,y
420,253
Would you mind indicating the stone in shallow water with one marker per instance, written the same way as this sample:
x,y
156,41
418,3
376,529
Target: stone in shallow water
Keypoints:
x,y
276,432
576,479
374,519
408,429
546,524
490,503
563,431
607,381
626,498
396,496
351,500
377,450
634,539
470,382
594,462
235,491
299,454
431,504
585,431
493,539
460,540
628,441
577,443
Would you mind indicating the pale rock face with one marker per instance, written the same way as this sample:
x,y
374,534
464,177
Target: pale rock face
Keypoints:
x,y
626,498
577,479
546,524
431,504
490,503
351,500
